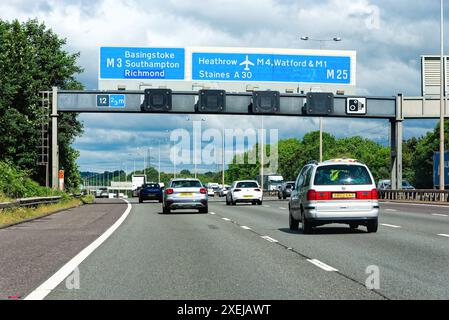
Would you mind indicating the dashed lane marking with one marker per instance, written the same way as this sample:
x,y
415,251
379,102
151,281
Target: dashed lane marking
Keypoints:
x,y
322,265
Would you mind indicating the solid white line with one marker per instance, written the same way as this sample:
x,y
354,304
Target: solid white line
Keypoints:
x,y
212,213
389,225
391,210
245,227
444,235
48,286
269,239
322,265
226,219
439,215
416,204
282,208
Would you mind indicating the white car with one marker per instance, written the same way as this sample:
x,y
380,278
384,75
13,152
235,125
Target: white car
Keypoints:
x,y
334,191
224,191
244,192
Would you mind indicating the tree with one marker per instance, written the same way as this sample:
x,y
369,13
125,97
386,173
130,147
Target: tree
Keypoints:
x,y
33,59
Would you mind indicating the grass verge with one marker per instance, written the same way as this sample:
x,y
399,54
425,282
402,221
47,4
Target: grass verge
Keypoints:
x,y
16,215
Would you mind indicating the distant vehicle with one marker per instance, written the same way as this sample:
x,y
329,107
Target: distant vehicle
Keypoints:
x,y
212,188
224,191
150,191
137,181
185,194
271,182
335,191
102,193
386,185
286,189
244,192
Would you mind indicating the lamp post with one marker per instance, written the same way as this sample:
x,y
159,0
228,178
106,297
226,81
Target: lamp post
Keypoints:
x,y
322,42
442,94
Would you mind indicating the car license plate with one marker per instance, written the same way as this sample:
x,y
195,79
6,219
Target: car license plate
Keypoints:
x,y
186,194
343,195
247,196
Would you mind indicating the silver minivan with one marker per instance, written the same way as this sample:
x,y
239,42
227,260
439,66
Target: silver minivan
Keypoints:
x,y
334,191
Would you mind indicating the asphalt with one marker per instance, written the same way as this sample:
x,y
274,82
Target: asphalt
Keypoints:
x,y
32,251
226,255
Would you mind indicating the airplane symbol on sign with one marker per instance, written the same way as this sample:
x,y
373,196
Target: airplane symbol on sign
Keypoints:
x,y
247,63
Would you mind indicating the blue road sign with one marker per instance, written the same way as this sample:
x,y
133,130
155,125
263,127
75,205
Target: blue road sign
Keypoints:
x,y
271,68
111,101
142,63
436,168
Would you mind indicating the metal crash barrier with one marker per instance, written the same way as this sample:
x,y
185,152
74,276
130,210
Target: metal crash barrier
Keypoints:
x,y
415,195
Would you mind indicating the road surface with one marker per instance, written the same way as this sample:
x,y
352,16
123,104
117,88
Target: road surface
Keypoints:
x,y
248,252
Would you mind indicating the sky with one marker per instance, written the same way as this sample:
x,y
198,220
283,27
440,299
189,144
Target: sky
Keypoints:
x,y
389,37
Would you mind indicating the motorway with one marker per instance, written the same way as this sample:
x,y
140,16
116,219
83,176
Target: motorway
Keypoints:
x,y
248,252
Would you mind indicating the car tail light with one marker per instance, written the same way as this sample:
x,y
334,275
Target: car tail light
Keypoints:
x,y
311,195
169,191
374,194
203,191
258,190
237,190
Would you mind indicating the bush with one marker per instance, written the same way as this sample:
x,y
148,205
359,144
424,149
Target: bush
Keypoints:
x,y
15,183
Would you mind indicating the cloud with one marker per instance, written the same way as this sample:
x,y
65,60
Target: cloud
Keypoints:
x,y
388,42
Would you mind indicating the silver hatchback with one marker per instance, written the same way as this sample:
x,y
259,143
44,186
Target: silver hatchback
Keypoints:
x,y
185,194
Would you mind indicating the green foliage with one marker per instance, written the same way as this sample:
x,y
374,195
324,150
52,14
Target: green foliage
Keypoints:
x,y
33,59
15,183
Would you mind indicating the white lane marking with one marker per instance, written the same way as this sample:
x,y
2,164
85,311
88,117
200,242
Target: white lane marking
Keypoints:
x,y
265,206
245,227
226,219
212,213
389,225
439,215
282,208
444,235
416,204
322,265
269,239
391,210
48,286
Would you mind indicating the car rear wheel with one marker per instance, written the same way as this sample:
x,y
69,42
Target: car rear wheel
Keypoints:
x,y
372,226
204,210
293,223
353,226
259,203
140,200
166,210
306,225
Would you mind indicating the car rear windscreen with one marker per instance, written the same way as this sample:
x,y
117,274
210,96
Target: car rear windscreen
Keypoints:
x,y
342,175
186,184
247,185
152,186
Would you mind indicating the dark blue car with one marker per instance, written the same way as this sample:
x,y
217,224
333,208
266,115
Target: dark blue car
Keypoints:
x,y
150,191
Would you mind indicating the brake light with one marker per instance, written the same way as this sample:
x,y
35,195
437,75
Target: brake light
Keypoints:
x,y
368,195
203,191
169,191
311,195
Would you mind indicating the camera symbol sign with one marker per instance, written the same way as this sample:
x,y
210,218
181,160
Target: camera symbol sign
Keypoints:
x,y
356,106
